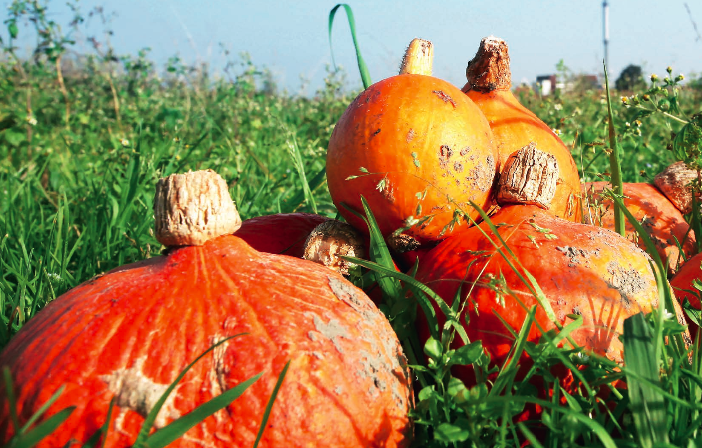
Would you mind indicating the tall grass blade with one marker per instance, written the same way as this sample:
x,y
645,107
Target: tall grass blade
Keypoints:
x,y
269,406
171,432
647,405
151,417
43,429
365,75
101,434
294,151
615,166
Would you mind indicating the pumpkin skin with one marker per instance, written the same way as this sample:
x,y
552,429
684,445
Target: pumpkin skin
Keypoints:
x,y
662,221
682,282
282,233
428,142
584,270
514,126
347,384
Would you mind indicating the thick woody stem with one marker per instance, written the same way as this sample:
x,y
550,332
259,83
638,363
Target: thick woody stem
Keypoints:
x,y
529,177
329,241
193,208
675,183
418,59
489,69
402,243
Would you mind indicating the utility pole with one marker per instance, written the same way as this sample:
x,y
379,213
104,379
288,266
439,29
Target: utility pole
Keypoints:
x,y
605,31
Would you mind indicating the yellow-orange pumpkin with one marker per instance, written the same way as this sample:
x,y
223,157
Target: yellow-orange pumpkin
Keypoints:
x,y
411,145
514,126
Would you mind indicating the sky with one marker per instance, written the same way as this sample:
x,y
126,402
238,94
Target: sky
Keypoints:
x,y
290,38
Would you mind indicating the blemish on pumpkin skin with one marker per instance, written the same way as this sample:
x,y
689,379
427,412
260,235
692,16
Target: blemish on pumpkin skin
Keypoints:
x,y
134,391
375,133
445,97
217,374
628,282
482,176
410,135
388,354
333,330
576,256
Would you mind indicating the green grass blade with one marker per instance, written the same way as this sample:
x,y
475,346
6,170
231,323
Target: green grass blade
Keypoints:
x,y
43,429
529,435
269,406
294,151
507,374
12,402
647,405
101,434
365,75
380,253
151,417
615,166
171,432
43,408
299,198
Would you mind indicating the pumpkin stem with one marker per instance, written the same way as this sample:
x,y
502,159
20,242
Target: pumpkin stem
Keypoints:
x,y
193,208
489,69
329,241
674,182
402,243
529,177
418,59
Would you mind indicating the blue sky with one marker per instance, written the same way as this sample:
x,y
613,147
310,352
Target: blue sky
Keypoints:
x,y
290,38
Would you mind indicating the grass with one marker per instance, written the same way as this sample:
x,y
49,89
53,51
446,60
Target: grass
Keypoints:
x,y
79,160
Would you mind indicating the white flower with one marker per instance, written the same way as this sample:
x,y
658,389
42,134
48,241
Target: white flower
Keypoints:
x,y
558,106
124,142
556,131
31,120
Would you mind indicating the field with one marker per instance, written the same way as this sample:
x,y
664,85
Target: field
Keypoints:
x,y
81,150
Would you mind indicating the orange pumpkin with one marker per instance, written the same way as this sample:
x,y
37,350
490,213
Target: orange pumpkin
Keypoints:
x,y
282,233
582,270
514,126
127,334
682,284
663,222
411,145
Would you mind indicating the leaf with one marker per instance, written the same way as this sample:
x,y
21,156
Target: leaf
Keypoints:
x,y
467,354
12,29
450,433
365,75
693,313
14,138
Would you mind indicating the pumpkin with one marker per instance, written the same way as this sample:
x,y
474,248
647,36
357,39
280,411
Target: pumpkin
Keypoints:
x,y
514,126
282,233
127,334
582,270
683,285
414,146
661,220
